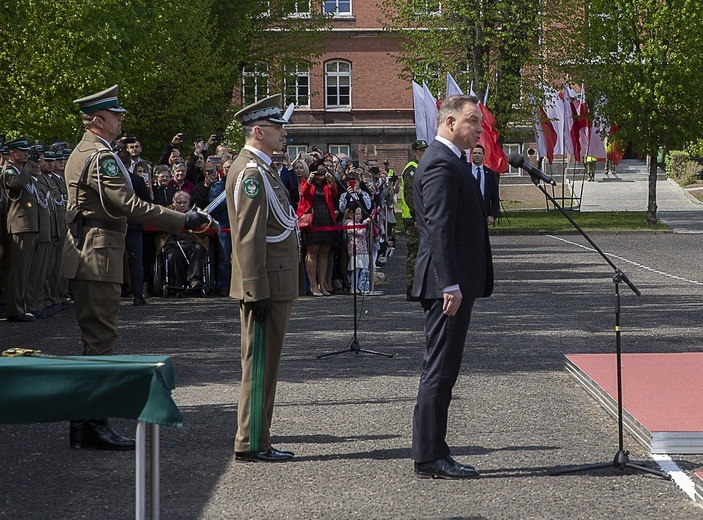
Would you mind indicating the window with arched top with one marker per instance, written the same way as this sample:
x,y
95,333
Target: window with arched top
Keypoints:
x,y
255,83
338,84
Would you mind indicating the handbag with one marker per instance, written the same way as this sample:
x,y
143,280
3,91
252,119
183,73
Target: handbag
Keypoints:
x,y
305,221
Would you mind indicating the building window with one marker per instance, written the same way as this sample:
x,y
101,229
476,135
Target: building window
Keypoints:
x,y
336,149
509,148
338,84
297,85
427,7
294,149
338,7
255,83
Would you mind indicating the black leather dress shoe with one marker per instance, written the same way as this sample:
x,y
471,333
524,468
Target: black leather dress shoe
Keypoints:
x,y
97,434
269,455
139,300
446,468
26,317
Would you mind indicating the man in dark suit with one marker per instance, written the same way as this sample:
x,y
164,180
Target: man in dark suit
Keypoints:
x,y
453,268
488,180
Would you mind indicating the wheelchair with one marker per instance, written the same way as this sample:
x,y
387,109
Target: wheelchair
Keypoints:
x,y
165,282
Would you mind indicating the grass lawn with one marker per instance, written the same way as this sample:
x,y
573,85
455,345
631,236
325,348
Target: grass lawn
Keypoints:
x,y
554,221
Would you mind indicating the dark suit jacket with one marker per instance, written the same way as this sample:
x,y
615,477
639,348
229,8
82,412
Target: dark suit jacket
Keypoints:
x,y
491,196
451,218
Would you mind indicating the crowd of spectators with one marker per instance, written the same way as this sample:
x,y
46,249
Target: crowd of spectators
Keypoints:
x,y
352,229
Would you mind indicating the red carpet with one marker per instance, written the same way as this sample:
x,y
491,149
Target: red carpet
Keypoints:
x,y
662,404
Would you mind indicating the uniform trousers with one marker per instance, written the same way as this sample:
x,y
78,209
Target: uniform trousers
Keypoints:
x,y
21,252
445,337
52,274
36,288
261,355
97,305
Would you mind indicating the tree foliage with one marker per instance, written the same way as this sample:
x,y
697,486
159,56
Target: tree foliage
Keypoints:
x,y
481,42
637,59
176,62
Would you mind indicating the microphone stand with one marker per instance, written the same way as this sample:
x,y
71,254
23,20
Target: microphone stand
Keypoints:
x,y
354,345
621,461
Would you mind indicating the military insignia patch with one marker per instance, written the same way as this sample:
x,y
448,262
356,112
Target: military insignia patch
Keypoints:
x,y
110,168
251,187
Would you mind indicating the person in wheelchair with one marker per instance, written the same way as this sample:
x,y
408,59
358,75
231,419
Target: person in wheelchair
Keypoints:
x,y
185,253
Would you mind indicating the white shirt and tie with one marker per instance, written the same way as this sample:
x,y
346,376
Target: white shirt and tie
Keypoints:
x,y
480,177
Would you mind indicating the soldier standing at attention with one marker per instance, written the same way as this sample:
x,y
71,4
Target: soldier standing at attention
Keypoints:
x,y
264,273
101,198
412,240
22,224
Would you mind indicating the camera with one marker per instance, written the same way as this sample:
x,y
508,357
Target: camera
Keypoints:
x,y
219,138
214,159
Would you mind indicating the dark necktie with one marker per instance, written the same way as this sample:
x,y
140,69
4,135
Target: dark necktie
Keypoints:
x,y
479,176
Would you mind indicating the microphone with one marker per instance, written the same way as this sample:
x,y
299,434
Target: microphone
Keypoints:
x,y
516,159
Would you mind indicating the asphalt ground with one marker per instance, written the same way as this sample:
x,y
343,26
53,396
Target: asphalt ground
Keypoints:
x,y
516,414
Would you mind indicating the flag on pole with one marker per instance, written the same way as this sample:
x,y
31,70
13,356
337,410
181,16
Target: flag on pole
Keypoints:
x,y
546,135
452,88
419,109
554,108
431,112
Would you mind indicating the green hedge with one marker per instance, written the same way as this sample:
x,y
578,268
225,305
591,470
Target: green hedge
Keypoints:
x,y
681,168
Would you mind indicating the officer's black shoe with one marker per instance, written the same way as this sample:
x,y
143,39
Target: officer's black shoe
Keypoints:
x,y
98,434
76,434
139,300
269,455
26,317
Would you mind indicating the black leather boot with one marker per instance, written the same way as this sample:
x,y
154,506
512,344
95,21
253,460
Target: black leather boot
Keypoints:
x,y
76,434
98,434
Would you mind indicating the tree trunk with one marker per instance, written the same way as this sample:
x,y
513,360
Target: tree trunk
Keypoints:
x,y
652,193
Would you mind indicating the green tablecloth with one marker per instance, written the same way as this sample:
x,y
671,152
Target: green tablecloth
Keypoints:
x,y
34,389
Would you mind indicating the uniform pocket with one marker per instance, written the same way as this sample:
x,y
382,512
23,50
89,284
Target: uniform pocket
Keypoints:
x,y
104,254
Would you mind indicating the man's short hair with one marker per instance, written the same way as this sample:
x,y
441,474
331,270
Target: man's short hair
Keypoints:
x,y
481,147
453,105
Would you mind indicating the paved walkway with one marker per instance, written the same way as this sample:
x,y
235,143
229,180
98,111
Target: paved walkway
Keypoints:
x,y
627,191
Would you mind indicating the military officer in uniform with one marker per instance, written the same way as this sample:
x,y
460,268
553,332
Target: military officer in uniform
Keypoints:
x,y
38,269
264,273
22,224
101,198
57,287
408,213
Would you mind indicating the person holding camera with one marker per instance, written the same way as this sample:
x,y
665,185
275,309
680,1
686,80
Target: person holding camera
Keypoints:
x,y
317,195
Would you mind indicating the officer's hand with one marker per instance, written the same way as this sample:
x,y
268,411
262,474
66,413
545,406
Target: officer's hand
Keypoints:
x,y
195,219
261,309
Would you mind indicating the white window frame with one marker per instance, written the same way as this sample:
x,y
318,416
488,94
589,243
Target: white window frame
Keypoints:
x,y
336,11
336,149
259,72
300,71
334,77
294,149
509,148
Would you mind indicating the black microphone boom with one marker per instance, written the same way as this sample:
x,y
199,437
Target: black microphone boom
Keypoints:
x,y
518,161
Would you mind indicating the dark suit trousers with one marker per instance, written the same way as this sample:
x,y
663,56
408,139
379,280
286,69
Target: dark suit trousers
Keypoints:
x,y
445,337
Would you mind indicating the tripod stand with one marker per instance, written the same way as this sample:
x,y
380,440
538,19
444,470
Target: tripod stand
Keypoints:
x,y
621,460
354,345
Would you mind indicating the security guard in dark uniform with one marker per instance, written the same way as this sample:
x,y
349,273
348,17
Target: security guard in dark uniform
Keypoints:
x,y
100,200
264,273
408,213
22,224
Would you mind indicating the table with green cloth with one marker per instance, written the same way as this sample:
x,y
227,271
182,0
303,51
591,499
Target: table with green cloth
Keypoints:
x,y
53,388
